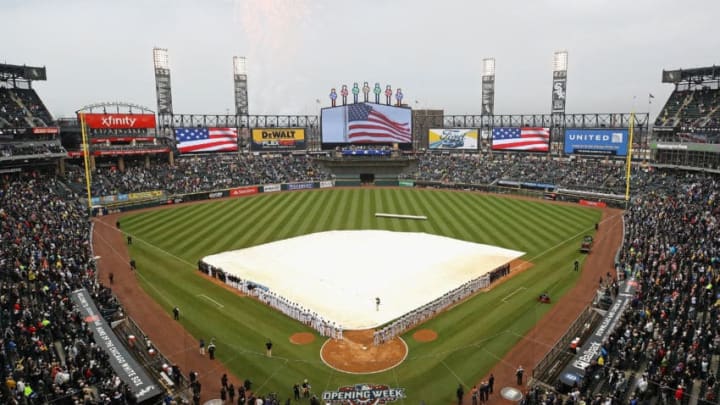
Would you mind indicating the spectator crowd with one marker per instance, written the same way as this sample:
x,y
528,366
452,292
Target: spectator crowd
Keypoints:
x,y
666,347
216,172
201,173
47,352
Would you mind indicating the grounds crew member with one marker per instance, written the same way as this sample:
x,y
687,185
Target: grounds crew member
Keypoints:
x,y
268,348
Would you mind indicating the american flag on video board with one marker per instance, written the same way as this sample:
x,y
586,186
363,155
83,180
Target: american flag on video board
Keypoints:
x,y
192,140
368,125
525,138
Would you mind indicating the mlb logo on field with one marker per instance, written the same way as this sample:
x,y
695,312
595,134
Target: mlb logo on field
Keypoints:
x,y
617,137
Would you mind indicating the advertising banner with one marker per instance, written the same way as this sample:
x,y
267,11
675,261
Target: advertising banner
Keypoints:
x,y
406,183
243,191
366,123
453,138
596,141
277,138
119,121
589,203
590,350
145,195
128,139
326,184
45,130
365,394
271,188
692,147
121,361
125,152
300,186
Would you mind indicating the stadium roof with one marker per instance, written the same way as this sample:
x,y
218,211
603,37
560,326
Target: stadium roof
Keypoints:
x,y
22,72
698,75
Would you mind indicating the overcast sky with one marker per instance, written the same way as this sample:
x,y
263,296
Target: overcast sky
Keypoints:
x,y
298,49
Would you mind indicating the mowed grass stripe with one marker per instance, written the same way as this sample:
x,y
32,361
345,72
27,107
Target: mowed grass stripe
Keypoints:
x,y
521,235
199,228
407,200
157,223
210,216
317,208
332,206
294,226
420,207
274,229
269,210
226,231
340,218
354,211
294,214
470,208
565,218
369,211
396,207
469,205
442,205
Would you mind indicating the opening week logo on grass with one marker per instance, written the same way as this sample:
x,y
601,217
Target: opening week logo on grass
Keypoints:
x,y
365,394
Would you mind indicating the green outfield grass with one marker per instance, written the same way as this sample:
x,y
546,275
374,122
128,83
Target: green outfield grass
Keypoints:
x,y
472,337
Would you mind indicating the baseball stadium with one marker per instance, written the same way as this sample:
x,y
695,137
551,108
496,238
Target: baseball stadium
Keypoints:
x,y
369,252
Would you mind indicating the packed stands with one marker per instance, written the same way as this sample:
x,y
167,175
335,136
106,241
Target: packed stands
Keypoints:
x,y
201,173
691,108
22,108
216,172
49,356
665,347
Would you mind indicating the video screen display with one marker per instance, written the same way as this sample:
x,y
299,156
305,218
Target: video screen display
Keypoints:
x,y
596,141
453,138
523,139
366,123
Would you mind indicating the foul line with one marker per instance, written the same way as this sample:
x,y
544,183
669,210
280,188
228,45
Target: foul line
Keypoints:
x,y
452,372
513,293
212,300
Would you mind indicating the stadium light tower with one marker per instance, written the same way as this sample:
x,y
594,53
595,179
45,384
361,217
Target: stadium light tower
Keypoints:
x,y
163,89
240,79
488,86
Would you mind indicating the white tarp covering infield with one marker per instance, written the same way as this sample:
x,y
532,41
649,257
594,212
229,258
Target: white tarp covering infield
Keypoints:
x,y
338,274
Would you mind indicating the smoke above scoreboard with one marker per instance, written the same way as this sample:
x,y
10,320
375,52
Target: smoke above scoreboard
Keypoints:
x,y
366,123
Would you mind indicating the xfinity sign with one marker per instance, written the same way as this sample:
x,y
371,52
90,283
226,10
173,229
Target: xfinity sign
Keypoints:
x,y
119,121
596,141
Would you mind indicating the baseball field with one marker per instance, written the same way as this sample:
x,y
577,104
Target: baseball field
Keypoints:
x,y
471,337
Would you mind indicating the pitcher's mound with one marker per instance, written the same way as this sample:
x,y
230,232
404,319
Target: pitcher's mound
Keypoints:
x,y
357,354
425,335
302,338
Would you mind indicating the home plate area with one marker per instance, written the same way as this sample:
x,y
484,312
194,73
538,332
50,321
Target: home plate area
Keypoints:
x,y
359,280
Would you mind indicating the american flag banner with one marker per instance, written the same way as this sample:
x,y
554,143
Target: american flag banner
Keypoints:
x,y
523,139
194,140
367,124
